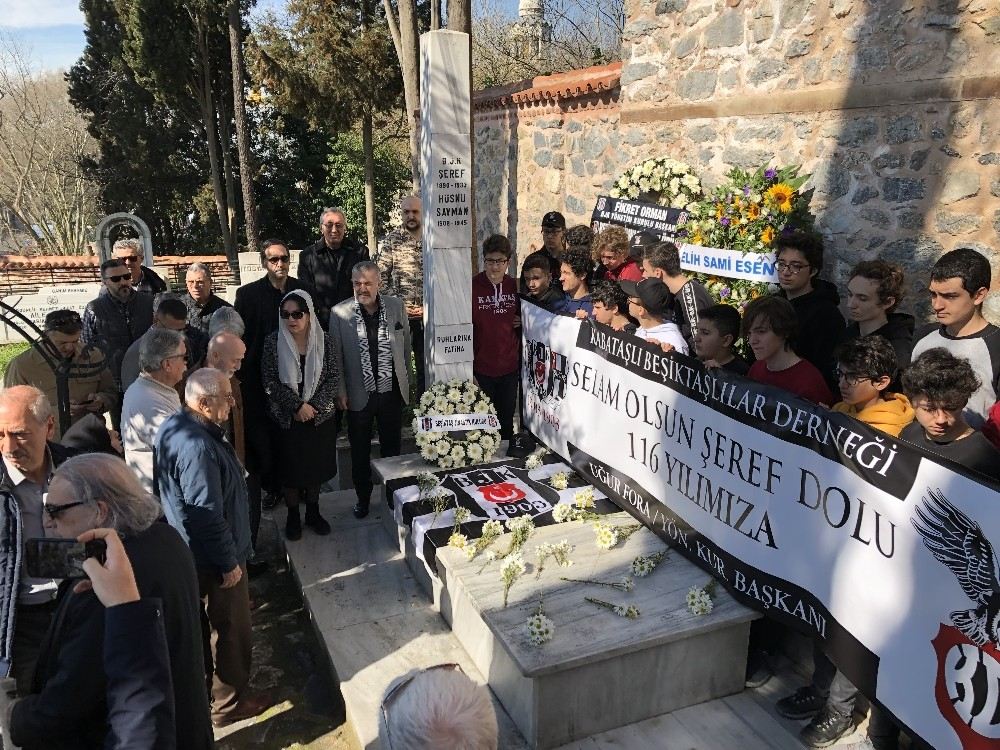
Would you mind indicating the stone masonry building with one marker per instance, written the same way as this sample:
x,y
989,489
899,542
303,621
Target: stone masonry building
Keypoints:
x,y
892,105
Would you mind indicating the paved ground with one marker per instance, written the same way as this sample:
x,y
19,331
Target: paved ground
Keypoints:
x,y
288,661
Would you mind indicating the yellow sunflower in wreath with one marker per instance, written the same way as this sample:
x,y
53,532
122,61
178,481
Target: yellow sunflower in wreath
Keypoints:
x,y
781,196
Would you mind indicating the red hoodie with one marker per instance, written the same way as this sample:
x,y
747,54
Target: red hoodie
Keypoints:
x,y
496,342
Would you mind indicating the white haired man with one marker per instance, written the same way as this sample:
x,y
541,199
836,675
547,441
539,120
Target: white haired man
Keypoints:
x,y
325,266
438,707
201,485
28,460
67,707
152,398
200,300
144,279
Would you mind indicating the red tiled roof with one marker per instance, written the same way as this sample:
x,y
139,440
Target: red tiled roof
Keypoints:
x,y
26,262
569,85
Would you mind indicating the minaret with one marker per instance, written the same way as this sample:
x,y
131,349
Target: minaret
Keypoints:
x,y
532,32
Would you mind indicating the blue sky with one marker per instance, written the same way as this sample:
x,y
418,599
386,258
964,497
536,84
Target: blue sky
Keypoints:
x,y
52,30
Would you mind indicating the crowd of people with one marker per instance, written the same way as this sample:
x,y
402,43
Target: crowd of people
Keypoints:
x,y
218,410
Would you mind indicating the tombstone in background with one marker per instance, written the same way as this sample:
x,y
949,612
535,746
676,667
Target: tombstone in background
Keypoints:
x,y
102,236
446,166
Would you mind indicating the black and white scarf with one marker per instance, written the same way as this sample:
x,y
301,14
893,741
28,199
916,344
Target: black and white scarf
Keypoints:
x,y
384,384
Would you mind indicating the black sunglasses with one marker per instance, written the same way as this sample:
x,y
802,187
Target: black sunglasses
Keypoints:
x,y
296,315
276,259
122,277
54,511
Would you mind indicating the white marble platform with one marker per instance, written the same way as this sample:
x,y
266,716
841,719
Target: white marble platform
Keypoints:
x,y
600,671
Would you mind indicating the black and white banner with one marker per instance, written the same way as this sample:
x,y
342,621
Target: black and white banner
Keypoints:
x,y
638,215
877,548
489,492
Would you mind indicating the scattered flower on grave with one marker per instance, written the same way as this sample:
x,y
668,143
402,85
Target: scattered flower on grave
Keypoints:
x,y
439,498
458,540
462,515
621,610
487,535
427,481
540,628
584,499
624,533
699,599
559,480
558,552
606,538
513,568
642,566
626,584
563,513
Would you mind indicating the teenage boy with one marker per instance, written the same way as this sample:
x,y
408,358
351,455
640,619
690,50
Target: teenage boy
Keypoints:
x,y
553,246
770,325
715,337
874,290
865,366
960,281
538,284
799,260
611,307
939,386
649,302
496,338
574,275
663,261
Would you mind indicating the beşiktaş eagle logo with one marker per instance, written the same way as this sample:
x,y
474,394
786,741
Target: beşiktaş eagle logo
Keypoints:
x,y
968,675
501,493
547,369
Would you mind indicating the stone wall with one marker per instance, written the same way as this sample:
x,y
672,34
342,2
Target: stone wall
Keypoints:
x,y
892,105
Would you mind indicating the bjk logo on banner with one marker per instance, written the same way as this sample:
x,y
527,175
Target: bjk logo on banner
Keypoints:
x,y
967,689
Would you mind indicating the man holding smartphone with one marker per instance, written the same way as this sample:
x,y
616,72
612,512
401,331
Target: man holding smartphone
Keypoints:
x,y
28,460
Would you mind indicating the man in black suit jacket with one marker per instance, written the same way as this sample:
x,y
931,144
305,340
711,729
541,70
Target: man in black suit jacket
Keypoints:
x,y
326,265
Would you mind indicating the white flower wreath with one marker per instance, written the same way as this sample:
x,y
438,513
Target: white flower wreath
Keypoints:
x,y
453,450
661,180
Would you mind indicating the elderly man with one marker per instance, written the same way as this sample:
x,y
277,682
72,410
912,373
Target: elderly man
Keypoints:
x,y
258,302
28,460
201,302
401,258
67,707
171,314
204,496
143,279
152,398
375,382
115,319
326,265
91,387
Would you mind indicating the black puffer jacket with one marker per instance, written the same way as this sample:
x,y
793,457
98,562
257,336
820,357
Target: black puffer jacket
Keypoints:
x,y
112,326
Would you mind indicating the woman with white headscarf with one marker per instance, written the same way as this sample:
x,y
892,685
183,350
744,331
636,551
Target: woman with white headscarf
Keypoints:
x,y
301,377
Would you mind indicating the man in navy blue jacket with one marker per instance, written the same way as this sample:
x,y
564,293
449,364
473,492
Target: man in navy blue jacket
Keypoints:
x,y
201,484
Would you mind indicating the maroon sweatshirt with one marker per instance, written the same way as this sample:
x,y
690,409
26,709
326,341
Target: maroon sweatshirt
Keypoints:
x,y
495,341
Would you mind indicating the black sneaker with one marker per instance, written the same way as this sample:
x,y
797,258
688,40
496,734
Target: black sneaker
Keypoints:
x,y
804,703
269,499
826,728
360,510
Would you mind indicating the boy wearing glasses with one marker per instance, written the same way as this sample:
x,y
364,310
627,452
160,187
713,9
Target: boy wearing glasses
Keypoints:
x,y
799,261
496,337
91,387
144,279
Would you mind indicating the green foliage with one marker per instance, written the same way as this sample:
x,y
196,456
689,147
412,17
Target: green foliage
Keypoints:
x,y
8,352
345,186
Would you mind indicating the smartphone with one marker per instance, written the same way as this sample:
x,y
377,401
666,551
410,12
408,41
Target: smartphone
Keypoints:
x,y
61,558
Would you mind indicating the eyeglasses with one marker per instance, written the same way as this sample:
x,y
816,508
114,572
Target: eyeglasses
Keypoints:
x,y
176,356
54,511
851,378
496,261
333,225
398,688
130,259
792,268
120,277
228,396
275,260
296,315
551,230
